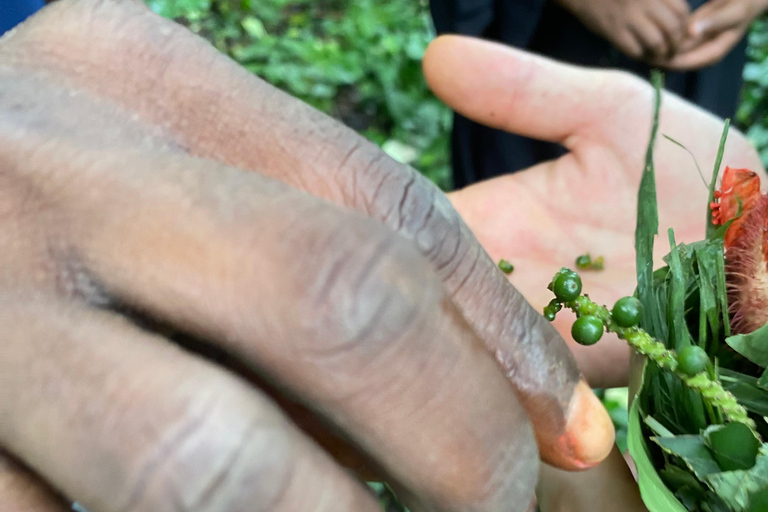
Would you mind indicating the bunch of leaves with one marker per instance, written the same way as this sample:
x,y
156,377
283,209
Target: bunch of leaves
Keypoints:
x,y
753,110
357,60
688,457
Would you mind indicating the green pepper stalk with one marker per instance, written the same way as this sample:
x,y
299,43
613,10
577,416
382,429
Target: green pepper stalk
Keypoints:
x,y
689,365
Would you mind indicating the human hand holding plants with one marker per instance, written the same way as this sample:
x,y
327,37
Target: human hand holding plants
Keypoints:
x,y
543,218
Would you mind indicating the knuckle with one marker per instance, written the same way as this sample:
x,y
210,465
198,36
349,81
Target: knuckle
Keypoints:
x,y
656,45
411,205
371,291
216,458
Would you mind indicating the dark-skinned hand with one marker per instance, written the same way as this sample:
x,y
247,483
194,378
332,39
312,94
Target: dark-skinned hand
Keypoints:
x,y
153,192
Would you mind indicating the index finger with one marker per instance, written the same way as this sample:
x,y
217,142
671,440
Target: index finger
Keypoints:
x,y
215,109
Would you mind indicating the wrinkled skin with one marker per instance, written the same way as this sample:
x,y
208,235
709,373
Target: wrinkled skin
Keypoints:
x,y
153,190
150,187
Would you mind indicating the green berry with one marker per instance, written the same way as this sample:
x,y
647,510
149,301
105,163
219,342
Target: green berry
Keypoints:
x,y
549,313
587,330
692,360
627,311
583,261
506,266
567,287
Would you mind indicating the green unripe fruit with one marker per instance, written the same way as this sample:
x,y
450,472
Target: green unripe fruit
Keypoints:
x,y
506,266
692,360
587,330
549,313
583,261
567,287
627,311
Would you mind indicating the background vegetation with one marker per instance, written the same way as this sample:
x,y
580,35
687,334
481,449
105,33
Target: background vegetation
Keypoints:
x,y
753,112
359,61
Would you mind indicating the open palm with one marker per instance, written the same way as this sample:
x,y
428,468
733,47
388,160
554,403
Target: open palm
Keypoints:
x,y
543,218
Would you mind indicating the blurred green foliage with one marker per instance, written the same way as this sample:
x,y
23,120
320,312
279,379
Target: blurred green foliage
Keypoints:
x,y
753,112
360,61
357,60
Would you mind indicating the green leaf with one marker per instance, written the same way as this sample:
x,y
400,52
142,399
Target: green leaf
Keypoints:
x,y
713,183
734,445
658,429
254,27
722,294
753,346
656,495
694,452
648,223
758,501
762,382
695,162
745,389
676,303
736,487
678,478
709,258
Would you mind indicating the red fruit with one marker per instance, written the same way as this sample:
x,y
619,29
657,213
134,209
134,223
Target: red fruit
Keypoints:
x,y
747,270
746,250
739,189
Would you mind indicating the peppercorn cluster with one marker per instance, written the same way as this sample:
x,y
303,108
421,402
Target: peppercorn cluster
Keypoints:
x,y
593,320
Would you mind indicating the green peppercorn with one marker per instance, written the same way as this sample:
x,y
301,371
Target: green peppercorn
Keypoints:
x,y
587,330
549,313
583,261
506,266
567,287
627,311
692,360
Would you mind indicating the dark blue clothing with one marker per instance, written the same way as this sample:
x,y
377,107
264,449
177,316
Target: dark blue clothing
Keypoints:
x,y
545,28
13,12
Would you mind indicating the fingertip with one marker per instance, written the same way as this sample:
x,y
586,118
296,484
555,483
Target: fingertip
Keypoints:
x,y
698,28
589,433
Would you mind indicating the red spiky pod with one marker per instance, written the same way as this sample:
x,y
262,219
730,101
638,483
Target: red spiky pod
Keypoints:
x,y
746,254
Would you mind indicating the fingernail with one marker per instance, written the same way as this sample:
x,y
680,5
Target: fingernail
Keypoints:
x,y
589,433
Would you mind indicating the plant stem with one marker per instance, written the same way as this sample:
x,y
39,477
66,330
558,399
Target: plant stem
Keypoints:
x,y
712,391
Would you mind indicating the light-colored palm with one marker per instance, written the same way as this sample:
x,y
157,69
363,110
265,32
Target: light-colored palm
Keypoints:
x,y
543,218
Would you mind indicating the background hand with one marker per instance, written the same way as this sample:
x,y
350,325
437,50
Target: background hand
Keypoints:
x,y
640,28
713,30
543,218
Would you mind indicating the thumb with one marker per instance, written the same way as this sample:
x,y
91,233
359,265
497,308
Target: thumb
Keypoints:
x,y
521,93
